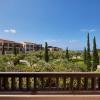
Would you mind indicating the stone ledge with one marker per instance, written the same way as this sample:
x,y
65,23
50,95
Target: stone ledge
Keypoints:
x,y
49,97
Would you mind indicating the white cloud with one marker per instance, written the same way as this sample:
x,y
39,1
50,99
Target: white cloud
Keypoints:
x,y
73,41
6,31
87,30
52,41
92,30
13,31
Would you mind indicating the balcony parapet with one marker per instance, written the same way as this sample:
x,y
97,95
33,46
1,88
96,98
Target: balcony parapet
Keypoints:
x,y
50,82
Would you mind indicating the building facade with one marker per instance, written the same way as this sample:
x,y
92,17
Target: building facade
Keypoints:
x,y
51,48
23,46
29,46
9,46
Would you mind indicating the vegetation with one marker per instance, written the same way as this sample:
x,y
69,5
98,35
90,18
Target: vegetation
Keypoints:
x,y
95,55
67,54
88,56
84,55
57,62
45,60
46,52
3,49
15,50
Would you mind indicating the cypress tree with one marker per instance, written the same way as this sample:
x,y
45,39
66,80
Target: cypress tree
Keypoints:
x,y
46,52
15,50
67,54
84,55
41,47
3,49
95,55
88,56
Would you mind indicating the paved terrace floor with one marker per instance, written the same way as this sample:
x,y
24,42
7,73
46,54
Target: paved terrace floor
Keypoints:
x,y
49,97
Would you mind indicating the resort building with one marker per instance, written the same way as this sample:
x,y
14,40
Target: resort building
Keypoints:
x,y
9,46
23,46
51,48
29,46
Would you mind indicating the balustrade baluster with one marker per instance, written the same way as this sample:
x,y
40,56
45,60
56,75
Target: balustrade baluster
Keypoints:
x,y
98,83
71,83
42,83
28,83
86,83
0,83
13,83
57,82
78,83
20,83
6,83
93,83
35,81
49,80
64,83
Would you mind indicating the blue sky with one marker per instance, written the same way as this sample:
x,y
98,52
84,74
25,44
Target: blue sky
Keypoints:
x,y
61,23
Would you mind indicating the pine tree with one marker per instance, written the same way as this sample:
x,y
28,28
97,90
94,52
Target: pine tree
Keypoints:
x,y
85,55
95,55
3,49
88,56
46,52
67,54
